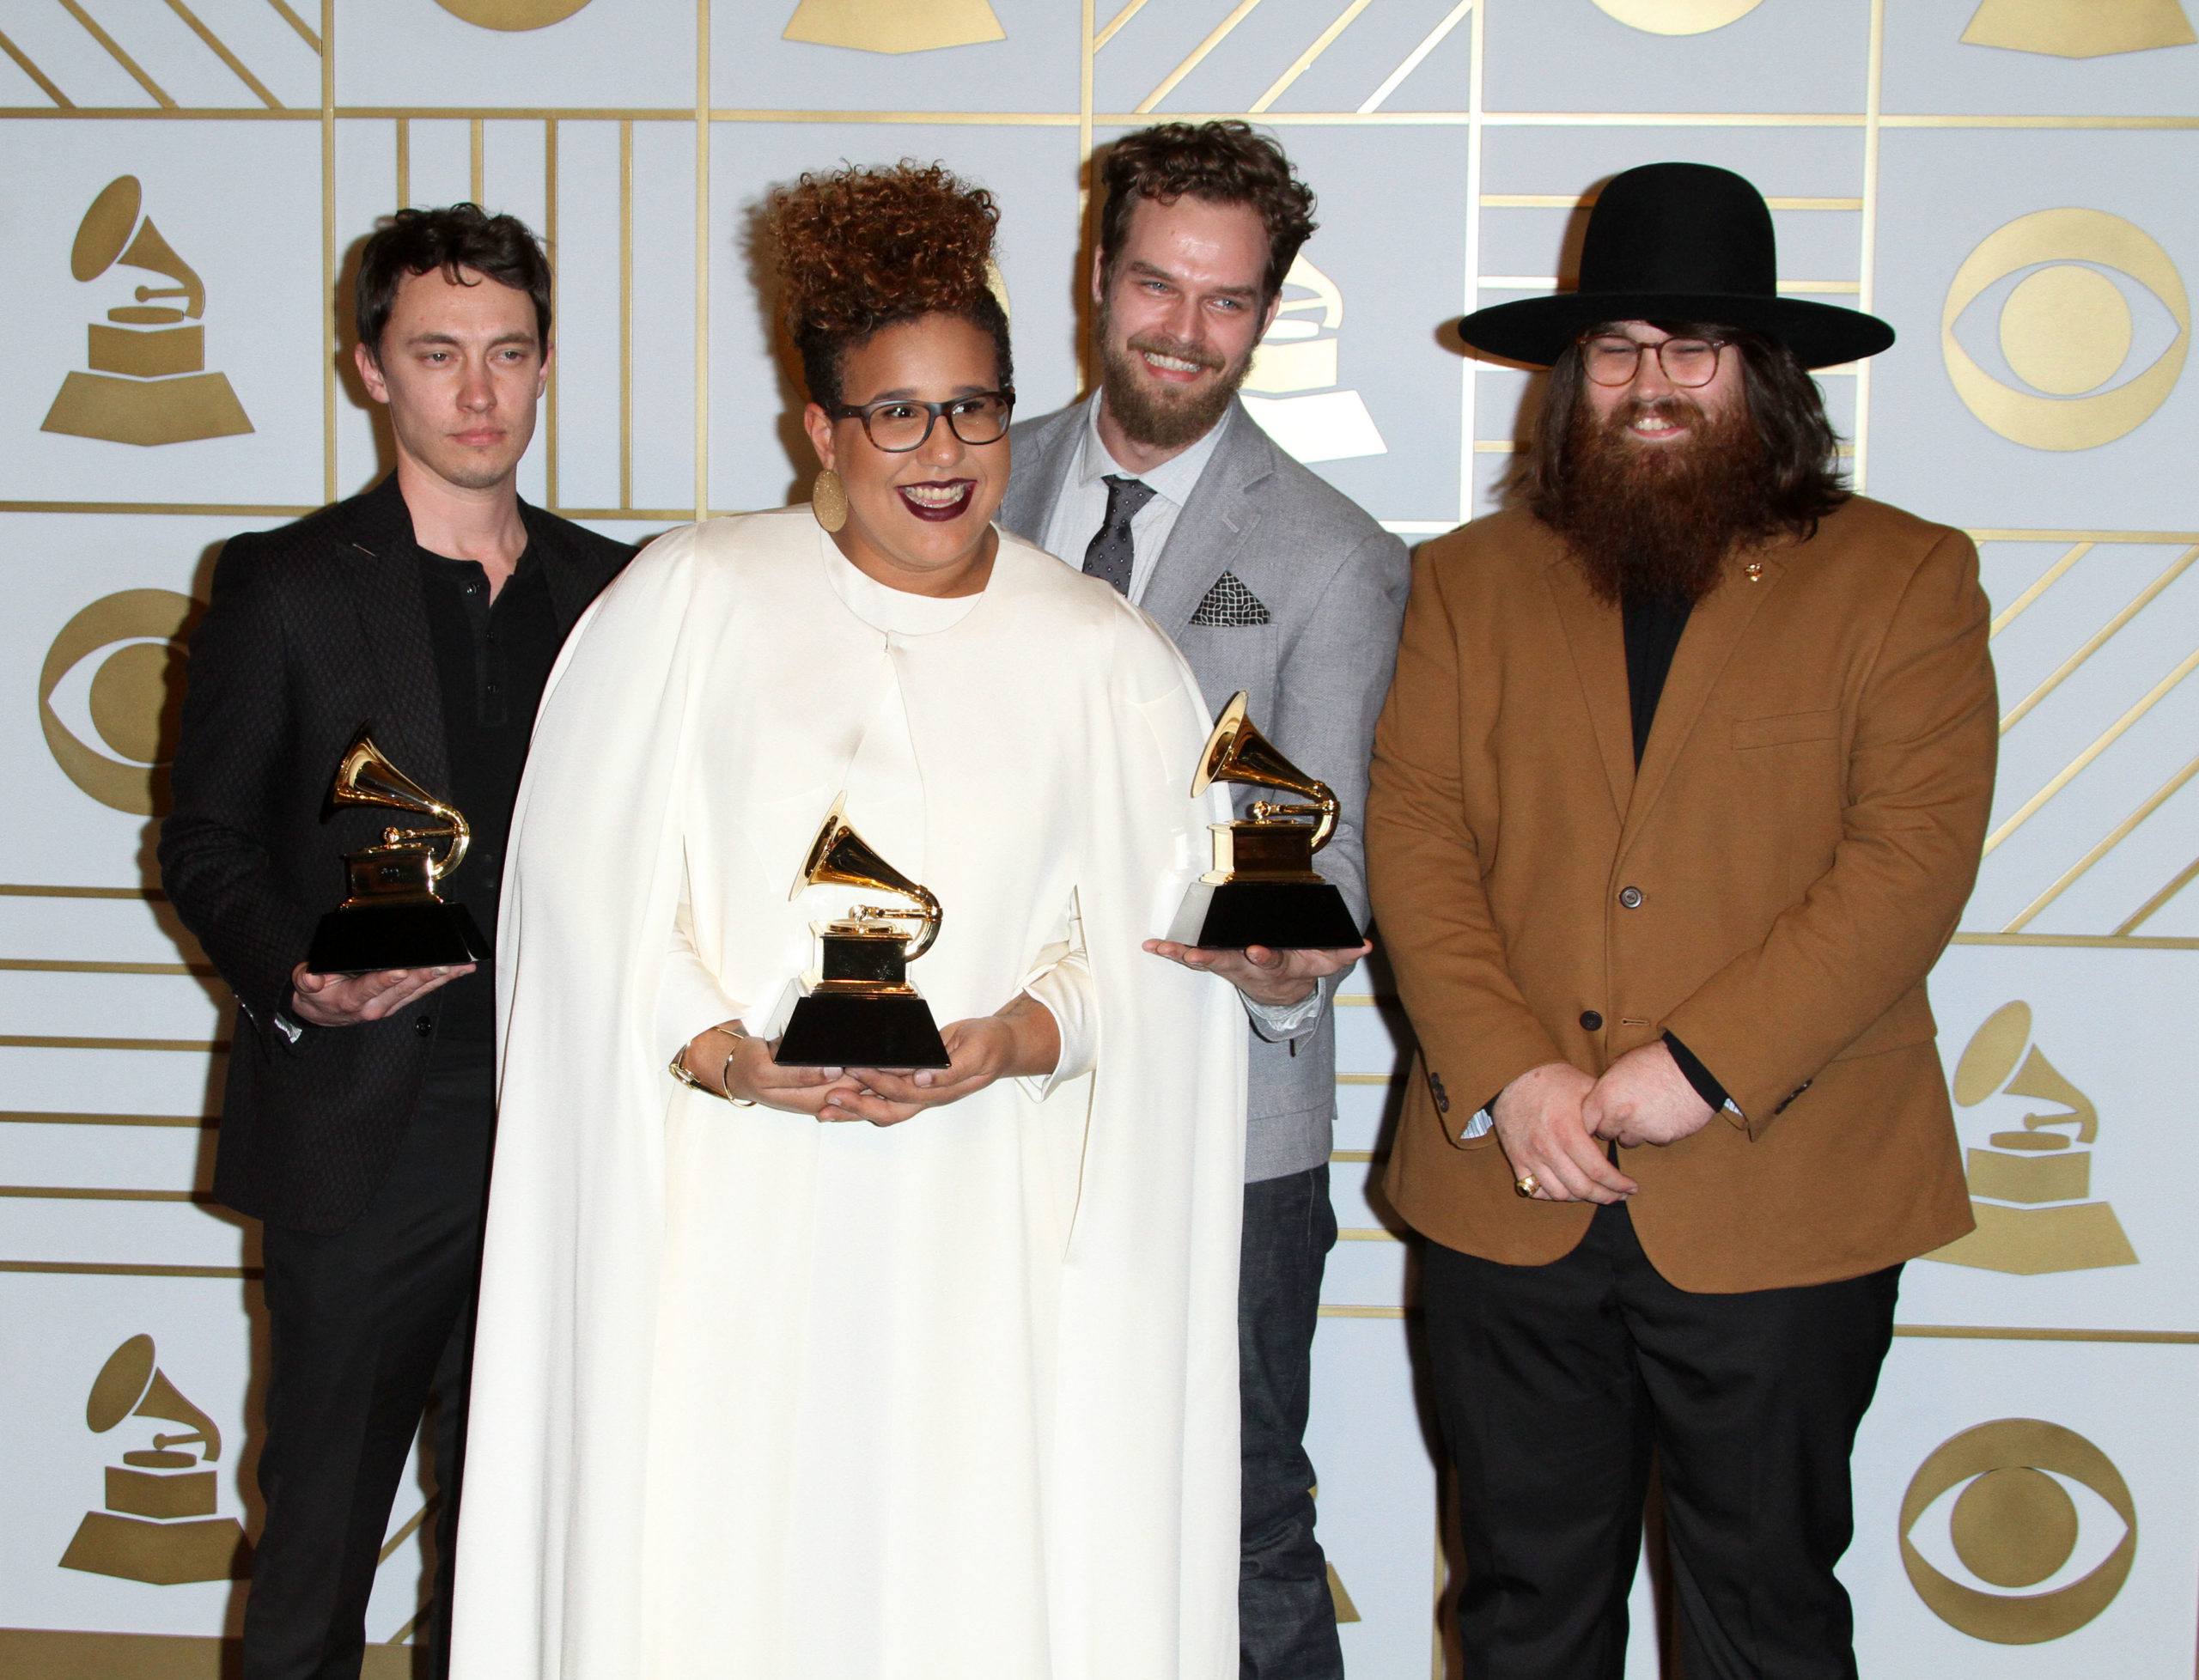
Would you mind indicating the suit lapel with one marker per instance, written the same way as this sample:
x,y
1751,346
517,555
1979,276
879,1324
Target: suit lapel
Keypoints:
x,y
1714,630
569,590
392,616
1214,525
1596,639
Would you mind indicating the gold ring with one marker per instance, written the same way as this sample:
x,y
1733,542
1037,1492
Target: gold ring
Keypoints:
x,y
1527,1186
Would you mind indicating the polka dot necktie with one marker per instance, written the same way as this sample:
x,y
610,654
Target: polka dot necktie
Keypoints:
x,y
1109,554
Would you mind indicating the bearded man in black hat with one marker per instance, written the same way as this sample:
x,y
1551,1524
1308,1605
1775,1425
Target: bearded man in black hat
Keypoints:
x,y
1677,796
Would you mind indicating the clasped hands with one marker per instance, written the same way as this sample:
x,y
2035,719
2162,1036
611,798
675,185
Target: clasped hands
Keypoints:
x,y
1020,1042
1554,1120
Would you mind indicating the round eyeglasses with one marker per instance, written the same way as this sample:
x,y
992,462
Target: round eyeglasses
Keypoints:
x,y
901,423
1610,358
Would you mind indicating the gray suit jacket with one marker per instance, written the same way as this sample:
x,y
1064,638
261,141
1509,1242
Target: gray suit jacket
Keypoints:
x,y
1332,583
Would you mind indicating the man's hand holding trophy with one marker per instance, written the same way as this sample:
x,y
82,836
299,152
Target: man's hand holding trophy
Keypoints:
x,y
1262,918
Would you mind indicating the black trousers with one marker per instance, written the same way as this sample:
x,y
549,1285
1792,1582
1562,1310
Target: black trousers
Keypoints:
x,y
1554,1384
364,1326
1286,1619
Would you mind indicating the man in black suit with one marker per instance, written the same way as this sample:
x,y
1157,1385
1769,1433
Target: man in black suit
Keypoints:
x,y
359,1111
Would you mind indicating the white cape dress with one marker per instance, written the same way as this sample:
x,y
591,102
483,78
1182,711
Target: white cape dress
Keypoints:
x,y
763,1399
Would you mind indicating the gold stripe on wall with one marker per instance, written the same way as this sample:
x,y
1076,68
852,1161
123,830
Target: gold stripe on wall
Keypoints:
x,y
1306,60
403,163
2114,838
117,1269
702,259
474,187
150,894
1413,60
550,238
2046,578
1116,23
2147,911
62,102
114,52
40,1041
2061,674
188,509
27,1117
305,32
71,1193
2115,941
328,250
1215,38
1366,1233
625,313
1993,1333
236,65
47,965
1873,91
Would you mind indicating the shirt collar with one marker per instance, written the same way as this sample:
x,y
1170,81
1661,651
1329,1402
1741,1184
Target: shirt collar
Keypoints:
x,y
1174,479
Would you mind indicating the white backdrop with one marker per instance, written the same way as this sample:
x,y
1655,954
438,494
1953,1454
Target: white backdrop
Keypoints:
x,y
2008,182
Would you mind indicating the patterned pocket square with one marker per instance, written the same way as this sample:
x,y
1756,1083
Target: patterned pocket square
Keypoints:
x,y
1229,603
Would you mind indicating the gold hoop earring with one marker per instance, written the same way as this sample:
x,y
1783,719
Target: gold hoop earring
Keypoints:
x,y
828,500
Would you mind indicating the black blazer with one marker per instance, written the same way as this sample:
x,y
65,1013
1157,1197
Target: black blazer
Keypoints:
x,y
312,631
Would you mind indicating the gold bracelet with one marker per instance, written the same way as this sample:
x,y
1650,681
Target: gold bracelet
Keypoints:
x,y
678,1069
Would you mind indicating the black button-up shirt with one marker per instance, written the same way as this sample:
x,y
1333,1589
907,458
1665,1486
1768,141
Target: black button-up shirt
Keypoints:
x,y
492,660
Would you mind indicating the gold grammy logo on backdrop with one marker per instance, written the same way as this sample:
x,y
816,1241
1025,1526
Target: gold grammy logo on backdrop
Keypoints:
x,y
1679,17
2065,329
132,697
512,15
2079,28
1298,353
2013,1526
148,383
894,26
158,1524
2029,1190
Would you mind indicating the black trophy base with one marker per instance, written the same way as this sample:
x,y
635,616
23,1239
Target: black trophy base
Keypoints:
x,y
376,937
1283,915
855,1029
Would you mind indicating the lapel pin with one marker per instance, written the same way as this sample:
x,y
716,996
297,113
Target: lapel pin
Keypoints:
x,y
1755,571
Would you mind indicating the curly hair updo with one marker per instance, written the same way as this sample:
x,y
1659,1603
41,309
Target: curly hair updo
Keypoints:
x,y
870,247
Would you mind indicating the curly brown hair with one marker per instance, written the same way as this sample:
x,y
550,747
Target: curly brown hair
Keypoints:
x,y
1222,164
871,246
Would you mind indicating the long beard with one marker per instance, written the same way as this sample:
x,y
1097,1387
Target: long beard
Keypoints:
x,y
1659,520
1157,418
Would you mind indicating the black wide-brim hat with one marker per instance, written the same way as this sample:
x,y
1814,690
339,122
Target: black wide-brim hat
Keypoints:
x,y
1678,242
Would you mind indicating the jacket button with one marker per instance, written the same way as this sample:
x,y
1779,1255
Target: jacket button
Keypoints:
x,y
1630,897
1591,1021
424,1027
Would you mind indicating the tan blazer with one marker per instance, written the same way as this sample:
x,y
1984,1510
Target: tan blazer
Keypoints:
x,y
1772,886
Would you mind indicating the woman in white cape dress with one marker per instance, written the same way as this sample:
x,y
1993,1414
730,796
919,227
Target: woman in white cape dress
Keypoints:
x,y
761,1396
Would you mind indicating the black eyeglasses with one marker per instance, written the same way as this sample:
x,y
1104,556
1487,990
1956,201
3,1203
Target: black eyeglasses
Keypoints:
x,y
1611,358
900,424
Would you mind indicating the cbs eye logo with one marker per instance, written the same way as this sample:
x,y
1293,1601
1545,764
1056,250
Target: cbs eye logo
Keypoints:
x,y
2066,330
2035,1514
114,676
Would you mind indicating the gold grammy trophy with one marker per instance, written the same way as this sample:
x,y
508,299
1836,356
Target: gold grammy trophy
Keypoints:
x,y
857,1007
1262,889
394,918
149,382
158,1524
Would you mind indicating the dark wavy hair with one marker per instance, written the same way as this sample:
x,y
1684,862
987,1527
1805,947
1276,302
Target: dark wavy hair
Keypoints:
x,y
1222,163
453,239
864,248
1801,450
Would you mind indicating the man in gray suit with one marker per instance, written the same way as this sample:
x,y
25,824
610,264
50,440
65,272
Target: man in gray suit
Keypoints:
x,y
1271,581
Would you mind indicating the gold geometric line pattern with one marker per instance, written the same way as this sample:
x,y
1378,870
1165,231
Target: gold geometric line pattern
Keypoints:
x,y
305,33
2145,912
2082,941
473,160
92,1269
151,893
1305,60
549,240
40,1041
1352,1157
190,509
1369,1079
404,1533
22,63
48,1193
2099,638
236,64
2115,837
702,259
2052,575
1116,23
25,1117
328,250
2024,1333
1330,1311
1477,137
40,965
403,163
2149,538
115,51
625,314
1366,1234
1414,59
2107,739
1215,38
1867,254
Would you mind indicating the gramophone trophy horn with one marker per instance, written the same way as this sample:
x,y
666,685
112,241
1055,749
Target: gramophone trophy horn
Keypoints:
x,y
1262,889
393,916
857,1007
